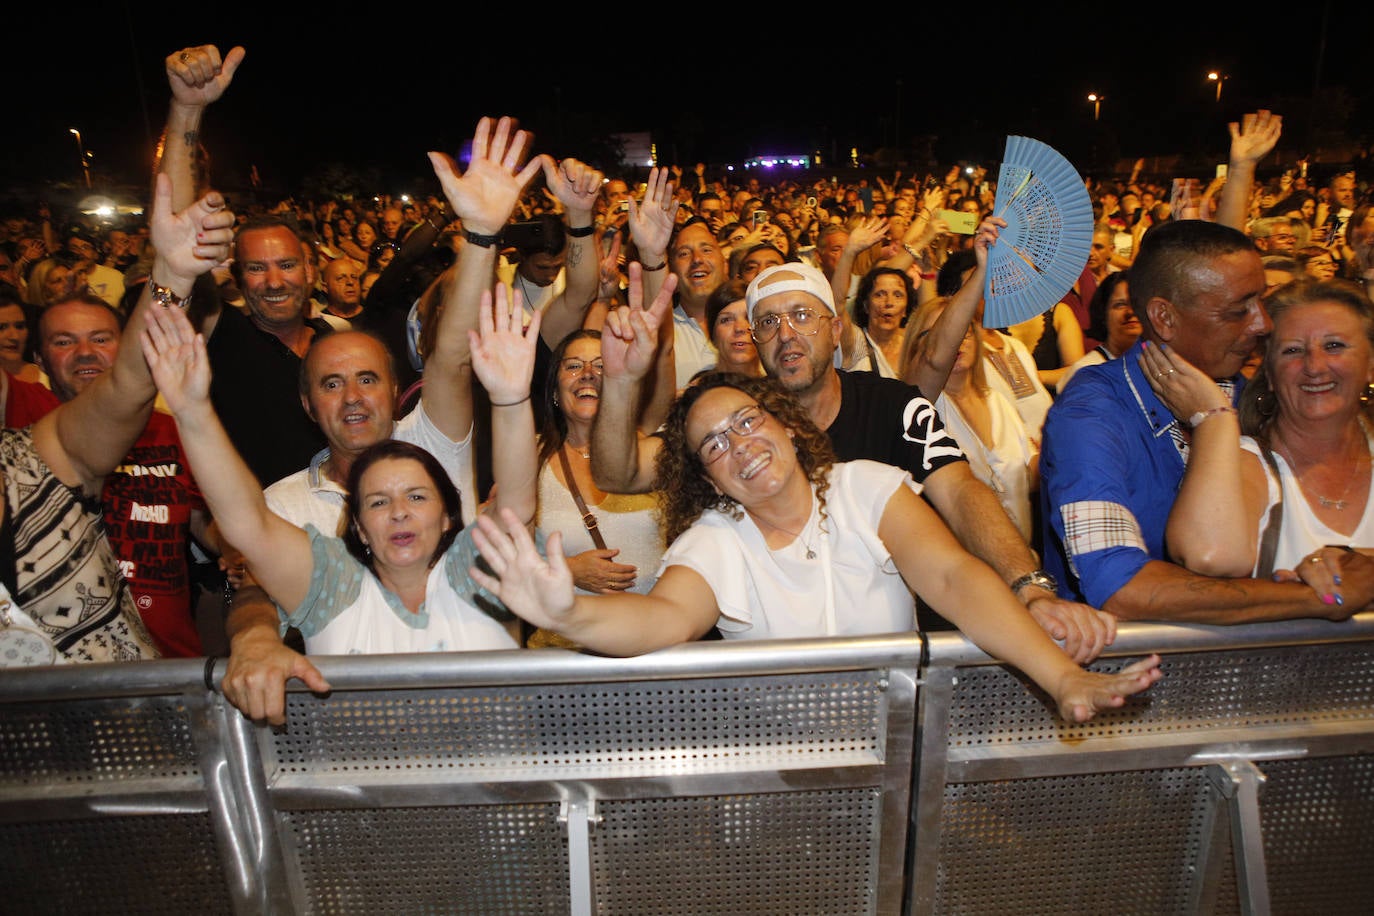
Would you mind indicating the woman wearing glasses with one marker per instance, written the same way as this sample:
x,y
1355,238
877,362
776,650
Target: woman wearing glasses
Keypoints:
x,y
627,557
772,538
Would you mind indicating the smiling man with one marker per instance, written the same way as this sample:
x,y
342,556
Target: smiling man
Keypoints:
x,y
696,258
1113,455
150,502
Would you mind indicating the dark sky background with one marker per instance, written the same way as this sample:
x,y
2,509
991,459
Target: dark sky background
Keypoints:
x,y
374,89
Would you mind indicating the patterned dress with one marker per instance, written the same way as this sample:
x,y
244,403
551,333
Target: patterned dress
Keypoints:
x,y
66,574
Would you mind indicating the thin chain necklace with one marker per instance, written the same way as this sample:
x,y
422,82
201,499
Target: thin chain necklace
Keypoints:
x,y
587,454
799,535
1326,502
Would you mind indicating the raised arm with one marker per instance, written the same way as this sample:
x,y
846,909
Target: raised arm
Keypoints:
x,y
277,551
483,197
575,185
1251,140
503,358
85,438
864,235
622,459
933,354
198,77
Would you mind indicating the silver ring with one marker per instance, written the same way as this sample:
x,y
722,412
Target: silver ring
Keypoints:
x,y
1170,371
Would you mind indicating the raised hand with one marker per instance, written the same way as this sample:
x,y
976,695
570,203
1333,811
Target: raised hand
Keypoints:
x,y
485,195
198,76
651,221
502,348
870,231
933,200
177,360
193,241
574,184
989,230
1255,136
1083,694
629,337
536,588
609,271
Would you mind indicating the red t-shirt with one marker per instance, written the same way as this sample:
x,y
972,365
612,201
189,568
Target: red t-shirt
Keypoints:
x,y
148,502
26,402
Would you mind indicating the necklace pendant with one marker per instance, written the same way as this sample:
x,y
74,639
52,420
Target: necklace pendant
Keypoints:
x,y
810,554
1337,504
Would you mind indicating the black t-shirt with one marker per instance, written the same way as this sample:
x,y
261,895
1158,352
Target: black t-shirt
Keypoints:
x,y
255,391
883,419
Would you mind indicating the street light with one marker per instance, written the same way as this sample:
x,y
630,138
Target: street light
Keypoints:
x,y
1219,79
81,151
1097,103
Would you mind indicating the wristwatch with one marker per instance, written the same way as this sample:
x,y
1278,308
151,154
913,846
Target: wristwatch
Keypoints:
x,y
163,296
1039,578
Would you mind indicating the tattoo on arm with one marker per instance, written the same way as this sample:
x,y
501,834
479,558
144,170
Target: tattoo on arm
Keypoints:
x,y
574,256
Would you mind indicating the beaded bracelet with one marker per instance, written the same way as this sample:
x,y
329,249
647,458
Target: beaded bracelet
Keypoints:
x,y
1196,419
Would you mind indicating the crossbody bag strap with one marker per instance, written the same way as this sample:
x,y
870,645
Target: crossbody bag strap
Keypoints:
x,y
1269,539
587,518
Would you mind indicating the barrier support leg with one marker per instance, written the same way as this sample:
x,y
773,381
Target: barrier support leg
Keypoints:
x,y
580,816
1238,783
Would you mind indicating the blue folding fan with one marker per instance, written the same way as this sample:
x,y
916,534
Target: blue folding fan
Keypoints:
x,y
1042,251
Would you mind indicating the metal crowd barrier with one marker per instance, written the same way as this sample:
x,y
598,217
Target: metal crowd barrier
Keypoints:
x,y
777,778
1240,783
712,778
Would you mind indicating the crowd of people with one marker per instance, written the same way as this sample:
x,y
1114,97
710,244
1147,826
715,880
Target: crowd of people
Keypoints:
x,y
680,408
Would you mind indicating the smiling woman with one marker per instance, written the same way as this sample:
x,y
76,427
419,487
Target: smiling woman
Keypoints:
x,y
1299,480
612,540
774,539
398,581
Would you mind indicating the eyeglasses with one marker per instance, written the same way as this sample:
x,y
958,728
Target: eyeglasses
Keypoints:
x,y
576,366
745,422
803,321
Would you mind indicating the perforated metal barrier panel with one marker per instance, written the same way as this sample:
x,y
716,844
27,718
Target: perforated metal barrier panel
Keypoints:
x,y
1234,785
714,778
774,778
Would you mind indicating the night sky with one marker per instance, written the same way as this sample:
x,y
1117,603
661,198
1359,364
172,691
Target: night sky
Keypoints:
x,y
373,90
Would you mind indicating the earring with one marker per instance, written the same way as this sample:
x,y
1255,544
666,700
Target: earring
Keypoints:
x,y
1368,393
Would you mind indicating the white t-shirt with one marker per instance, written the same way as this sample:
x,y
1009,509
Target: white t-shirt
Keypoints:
x,y
1301,532
308,497
778,594
348,612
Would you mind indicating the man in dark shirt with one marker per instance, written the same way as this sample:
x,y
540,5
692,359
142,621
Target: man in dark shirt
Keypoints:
x,y
255,354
